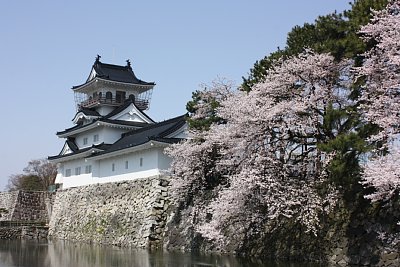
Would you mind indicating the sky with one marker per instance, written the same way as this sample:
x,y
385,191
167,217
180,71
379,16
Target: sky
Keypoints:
x,y
46,47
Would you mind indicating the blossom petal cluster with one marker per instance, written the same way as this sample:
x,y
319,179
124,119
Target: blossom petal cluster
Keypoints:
x,y
381,100
265,153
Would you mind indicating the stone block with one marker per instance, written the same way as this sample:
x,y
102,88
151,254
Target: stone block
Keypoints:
x,y
390,256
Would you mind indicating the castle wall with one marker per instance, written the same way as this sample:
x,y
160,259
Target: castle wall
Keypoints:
x,y
126,213
144,163
7,204
25,206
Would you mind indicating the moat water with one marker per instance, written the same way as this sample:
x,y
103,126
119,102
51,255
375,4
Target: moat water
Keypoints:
x,y
18,253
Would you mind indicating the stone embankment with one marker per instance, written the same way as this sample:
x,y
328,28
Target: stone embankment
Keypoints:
x,y
138,214
25,206
24,214
361,235
127,213
24,232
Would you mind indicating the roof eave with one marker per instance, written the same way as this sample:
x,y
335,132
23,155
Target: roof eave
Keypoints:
x,y
88,117
72,156
81,87
144,146
94,125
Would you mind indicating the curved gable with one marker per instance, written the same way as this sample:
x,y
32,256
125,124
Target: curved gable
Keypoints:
x,y
131,113
66,150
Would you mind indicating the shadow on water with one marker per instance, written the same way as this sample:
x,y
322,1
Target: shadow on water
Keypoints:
x,y
66,254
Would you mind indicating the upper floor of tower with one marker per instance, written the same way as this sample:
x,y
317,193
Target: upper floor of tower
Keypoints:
x,y
109,86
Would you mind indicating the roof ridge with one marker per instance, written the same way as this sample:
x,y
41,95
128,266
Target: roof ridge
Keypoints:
x,y
154,125
102,119
112,65
172,129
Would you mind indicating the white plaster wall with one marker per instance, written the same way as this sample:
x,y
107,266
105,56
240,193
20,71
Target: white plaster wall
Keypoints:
x,y
130,117
106,134
150,162
74,180
131,113
104,110
111,135
153,161
164,162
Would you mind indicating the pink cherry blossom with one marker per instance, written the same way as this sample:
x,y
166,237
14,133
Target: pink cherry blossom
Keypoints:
x,y
265,153
381,100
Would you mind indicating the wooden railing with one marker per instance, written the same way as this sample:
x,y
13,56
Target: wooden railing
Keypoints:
x,y
92,102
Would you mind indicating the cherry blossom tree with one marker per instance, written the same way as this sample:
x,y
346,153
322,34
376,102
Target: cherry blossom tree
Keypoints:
x,y
262,160
381,100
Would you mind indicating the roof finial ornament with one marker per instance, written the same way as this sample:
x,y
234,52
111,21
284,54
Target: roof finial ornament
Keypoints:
x,y
98,58
128,63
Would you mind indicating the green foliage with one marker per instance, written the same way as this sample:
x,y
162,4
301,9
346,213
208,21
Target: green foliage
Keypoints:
x,y
334,33
37,176
343,132
25,182
199,98
337,34
258,72
31,183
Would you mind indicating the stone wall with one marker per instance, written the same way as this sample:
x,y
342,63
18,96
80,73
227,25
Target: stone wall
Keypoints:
x,y
31,206
25,206
10,232
7,204
362,234
127,213
23,232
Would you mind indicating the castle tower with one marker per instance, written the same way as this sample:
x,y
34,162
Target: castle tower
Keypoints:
x,y
109,86
113,139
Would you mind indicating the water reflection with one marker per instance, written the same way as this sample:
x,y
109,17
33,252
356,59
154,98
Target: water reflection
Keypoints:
x,y
66,254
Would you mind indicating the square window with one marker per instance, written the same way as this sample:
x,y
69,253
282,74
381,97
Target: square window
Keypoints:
x,y
77,170
67,172
88,169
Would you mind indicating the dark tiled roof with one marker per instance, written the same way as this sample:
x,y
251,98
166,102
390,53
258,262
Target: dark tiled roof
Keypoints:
x,y
152,132
116,73
72,145
89,112
101,146
116,122
167,140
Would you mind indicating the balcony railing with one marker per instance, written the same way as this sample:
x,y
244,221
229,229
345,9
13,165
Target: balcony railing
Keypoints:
x,y
93,102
